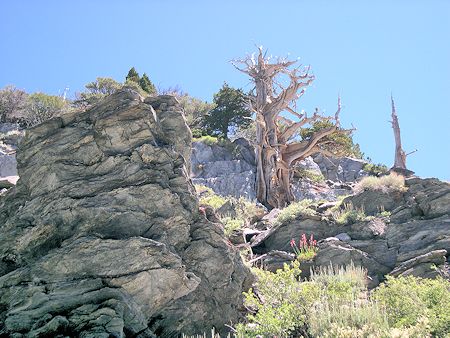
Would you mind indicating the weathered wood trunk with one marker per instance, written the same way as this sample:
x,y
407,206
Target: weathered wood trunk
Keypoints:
x,y
273,188
276,150
400,155
272,177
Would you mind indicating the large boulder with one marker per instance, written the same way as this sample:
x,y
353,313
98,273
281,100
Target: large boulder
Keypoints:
x,y
344,169
102,236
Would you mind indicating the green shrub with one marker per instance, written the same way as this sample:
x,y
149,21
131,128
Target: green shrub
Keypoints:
x,y
197,133
410,299
336,303
242,209
338,318
282,306
232,224
386,184
375,169
294,210
349,215
207,197
247,209
344,282
287,307
309,174
213,335
214,201
207,139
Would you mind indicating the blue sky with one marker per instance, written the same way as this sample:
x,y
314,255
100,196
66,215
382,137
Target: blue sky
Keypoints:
x,y
363,50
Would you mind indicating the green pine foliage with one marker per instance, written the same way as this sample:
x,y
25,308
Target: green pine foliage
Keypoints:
x,y
132,75
341,143
146,85
230,112
141,84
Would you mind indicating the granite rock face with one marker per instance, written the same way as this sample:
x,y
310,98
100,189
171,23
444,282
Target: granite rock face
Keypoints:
x,y
102,236
343,169
229,171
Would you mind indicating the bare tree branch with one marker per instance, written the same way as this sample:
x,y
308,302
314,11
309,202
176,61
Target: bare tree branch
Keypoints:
x,y
274,155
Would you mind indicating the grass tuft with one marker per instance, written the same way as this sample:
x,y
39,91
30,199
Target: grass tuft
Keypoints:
x,y
386,184
294,210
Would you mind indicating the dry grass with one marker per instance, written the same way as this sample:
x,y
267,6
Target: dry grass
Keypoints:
x,y
386,184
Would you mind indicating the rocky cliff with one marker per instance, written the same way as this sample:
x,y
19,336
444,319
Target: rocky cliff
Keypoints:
x,y
102,236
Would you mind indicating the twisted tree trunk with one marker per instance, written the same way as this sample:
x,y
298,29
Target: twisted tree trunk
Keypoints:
x,y
277,144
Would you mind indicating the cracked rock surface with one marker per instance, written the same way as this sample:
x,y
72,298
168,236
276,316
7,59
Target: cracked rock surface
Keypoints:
x,y
102,236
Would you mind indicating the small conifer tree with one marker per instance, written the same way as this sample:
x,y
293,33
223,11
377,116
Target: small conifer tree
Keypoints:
x,y
132,75
147,85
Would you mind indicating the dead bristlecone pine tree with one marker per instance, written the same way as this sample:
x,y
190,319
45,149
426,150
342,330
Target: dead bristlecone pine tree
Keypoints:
x,y
278,145
400,155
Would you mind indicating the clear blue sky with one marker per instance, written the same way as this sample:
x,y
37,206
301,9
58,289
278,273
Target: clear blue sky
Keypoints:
x,y
363,50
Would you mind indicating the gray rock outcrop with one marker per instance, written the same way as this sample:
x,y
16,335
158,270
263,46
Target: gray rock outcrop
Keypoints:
x,y
102,236
10,135
414,240
343,169
228,170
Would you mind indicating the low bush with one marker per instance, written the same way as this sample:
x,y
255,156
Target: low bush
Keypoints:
x,y
243,210
207,139
309,174
409,300
287,307
375,169
232,224
197,133
335,303
386,184
214,201
213,335
281,306
294,210
349,215
344,282
207,196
